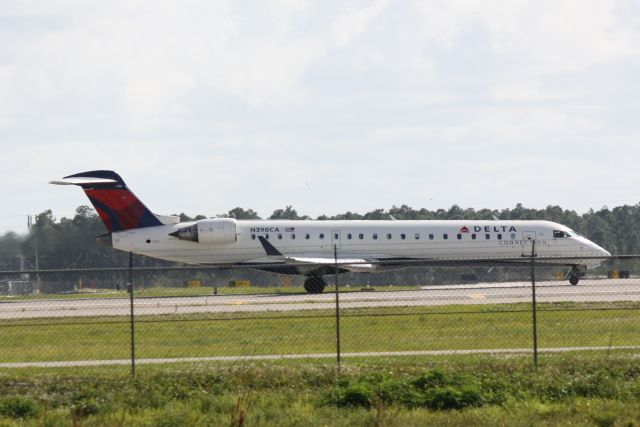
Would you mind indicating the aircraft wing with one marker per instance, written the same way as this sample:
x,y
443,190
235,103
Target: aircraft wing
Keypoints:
x,y
351,264
306,265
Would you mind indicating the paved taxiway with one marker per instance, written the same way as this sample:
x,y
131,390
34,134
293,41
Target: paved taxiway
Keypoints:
x,y
481,293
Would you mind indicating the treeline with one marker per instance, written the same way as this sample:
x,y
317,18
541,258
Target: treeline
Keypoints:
x,y
70,242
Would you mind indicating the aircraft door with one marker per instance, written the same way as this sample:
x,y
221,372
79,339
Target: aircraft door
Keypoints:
x,y
335,238
528,237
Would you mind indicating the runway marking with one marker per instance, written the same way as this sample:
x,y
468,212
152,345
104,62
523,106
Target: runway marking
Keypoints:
x,y
76,363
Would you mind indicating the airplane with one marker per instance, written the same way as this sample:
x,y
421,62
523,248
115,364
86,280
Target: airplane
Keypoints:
x,y
315,248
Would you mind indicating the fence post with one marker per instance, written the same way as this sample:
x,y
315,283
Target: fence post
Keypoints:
x,y
337,291
533,304
133,341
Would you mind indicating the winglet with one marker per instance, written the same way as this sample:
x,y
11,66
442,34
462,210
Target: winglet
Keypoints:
x,y
268,247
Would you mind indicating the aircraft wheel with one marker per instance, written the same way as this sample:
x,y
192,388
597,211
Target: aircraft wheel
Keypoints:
x,y
574,280
314,285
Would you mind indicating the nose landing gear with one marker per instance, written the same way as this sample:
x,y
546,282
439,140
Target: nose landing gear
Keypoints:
x,y
575,273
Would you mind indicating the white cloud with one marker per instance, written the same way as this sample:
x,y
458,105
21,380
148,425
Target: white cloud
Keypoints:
x,y
262,70
354,21
570,35
477,130
553,36
154,55
531,89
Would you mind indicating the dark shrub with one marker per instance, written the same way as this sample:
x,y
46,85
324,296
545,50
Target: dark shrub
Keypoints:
x,y
356,395
447,398
18,407
431,379
83,407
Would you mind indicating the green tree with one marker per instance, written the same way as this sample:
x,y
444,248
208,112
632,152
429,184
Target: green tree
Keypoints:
x,y
287,213
376,214
239,213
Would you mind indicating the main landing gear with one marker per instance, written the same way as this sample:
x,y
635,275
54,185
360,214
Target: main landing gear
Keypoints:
x,y
314,285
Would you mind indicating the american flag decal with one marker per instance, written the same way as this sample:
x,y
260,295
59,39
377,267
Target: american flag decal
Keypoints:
x,y
289,229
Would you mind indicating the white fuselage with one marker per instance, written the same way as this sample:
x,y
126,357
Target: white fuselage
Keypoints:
x,y
432,240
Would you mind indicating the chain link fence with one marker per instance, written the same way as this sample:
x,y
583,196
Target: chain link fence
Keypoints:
x,y
133,315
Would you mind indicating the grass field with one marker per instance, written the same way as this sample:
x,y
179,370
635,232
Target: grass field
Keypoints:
x,y
590,389
578,388
393,329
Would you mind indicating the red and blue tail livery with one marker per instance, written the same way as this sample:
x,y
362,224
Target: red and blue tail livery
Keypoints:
x,y
117,206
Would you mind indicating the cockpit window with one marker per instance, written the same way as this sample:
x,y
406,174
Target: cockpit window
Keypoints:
x,y
557,234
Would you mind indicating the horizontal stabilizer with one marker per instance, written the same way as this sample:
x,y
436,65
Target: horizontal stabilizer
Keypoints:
x,y
83,181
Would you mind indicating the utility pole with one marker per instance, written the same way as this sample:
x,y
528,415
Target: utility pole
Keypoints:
x,y
337,291
533,303
30,226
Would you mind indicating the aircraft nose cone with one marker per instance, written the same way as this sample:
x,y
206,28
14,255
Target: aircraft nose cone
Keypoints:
x,y
600,251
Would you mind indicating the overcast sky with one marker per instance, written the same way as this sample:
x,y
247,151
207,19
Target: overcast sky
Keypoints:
x,y
328,106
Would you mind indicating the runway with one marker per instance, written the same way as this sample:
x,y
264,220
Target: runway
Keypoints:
x,y
480,293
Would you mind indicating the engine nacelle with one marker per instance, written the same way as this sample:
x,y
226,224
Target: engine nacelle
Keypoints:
x,y
215,230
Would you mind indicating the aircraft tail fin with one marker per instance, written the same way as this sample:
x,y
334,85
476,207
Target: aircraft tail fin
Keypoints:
x,y
116,205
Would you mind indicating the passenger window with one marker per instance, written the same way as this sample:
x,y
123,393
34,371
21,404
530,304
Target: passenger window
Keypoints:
x,y
306,236
388,236
487,236
279,236
430,236
473,237
403,236
513,236
499,236
349,236
322,235
335,236
360,236
375,236
459,236
266,236
293,236
253,237
417,236
445,236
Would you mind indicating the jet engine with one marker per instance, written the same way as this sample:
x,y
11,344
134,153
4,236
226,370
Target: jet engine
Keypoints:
x,y
215,230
